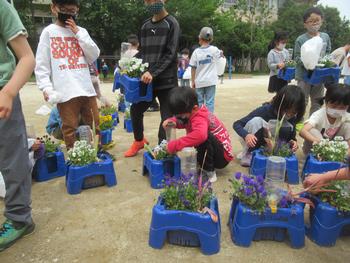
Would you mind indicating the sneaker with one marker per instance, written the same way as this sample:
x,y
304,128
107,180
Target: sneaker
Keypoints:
x,y
135,148
12,231
212,176
246,159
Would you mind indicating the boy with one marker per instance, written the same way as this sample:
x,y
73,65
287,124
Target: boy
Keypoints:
x,y
159,41
63,55
204,130
313,19
203,68
14,161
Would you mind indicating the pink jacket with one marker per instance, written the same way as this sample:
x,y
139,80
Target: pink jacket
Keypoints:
x,y
197,132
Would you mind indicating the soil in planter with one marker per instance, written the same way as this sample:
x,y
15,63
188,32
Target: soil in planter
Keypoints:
x,y
183,238
51,162
94,181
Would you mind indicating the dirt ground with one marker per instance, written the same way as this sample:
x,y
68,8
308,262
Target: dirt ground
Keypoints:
x,y
112,224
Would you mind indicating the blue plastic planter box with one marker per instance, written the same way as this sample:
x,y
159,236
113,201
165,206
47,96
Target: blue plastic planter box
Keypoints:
x,y
312,165
185,228
78,177
106,136
258,166
286,74
326,223
121,107
52,165
128,125
247,225
322,75
135,90
158,169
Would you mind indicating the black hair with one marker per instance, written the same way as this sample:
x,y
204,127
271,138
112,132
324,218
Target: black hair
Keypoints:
x,y
182,100
66,2
133,39
338,94
290,97
310,11
279,36
185,51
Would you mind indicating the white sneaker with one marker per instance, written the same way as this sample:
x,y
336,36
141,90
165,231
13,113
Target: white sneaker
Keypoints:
x,y
212,176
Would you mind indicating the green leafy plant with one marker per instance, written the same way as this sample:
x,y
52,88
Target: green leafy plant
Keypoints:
x,y
290,64
82,154
49,144
127,115
281,149
160,151
331,150
108,110
133,67
340,198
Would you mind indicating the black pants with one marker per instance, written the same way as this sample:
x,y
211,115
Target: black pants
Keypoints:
x,y
215,158
138,109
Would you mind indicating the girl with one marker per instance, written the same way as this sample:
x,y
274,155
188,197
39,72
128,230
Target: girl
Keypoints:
x,y
276,58
290,101
329,121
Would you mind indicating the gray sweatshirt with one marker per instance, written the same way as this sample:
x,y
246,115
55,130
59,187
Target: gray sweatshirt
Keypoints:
x,y
276,57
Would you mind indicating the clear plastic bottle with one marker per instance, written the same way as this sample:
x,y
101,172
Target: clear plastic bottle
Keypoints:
x,y
170,131
188,157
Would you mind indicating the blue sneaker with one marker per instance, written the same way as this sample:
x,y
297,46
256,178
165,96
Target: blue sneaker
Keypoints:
x,y
12,231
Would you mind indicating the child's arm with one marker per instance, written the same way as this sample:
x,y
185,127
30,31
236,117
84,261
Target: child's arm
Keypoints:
x,y
22,73
193,77
272,64
305,133
193,65
319,179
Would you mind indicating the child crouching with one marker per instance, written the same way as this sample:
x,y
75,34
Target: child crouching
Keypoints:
x,y
204,131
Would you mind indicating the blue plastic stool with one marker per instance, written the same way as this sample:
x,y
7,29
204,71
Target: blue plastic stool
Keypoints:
x,y
106,136
52,165
326,223
115,117
135,90
77,174
158,169
258,166
322,75
286,74
247,225
312,165
185,228
128,125
121,107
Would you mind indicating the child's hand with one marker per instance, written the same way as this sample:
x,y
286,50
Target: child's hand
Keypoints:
x,y
281,65
251,140
46,96
70,23
146,77
36,145
167,123
193,84
6,101
314,179
294,145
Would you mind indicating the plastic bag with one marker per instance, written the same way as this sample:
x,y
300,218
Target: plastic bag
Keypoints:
x,y
43,110
187,74
311,51
221,65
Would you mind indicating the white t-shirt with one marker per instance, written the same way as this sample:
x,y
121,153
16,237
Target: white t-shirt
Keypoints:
x,y
62,60
346,68
204,60
319,121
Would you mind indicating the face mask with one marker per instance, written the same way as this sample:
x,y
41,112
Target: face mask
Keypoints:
x,y
281,46
183,120
336,113
155,8
64,17
313,28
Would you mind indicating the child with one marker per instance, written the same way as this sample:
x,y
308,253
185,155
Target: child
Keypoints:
x,y
313,19
346,70
203,66
204,131
159,42
329,121
63,55
183,64
14,160
290,101
278,55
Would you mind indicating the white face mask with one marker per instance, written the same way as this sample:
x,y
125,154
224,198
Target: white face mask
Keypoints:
x,y
335,113
281,46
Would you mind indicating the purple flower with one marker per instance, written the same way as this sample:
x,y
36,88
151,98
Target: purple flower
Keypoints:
x,y
248,191
260,179
246,179
261,189
283,202
238,175
264,194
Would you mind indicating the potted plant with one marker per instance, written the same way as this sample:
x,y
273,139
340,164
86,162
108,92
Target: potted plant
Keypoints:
x,y
331,213
288,72
325,71
257,214
86,169
110,110
158,163
327,155
106,128
127,121
50,160
187,213
129,78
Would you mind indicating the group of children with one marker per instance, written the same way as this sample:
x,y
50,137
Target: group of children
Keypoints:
x,y
62,70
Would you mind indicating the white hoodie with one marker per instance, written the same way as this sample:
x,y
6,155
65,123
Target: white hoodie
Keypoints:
x,y
62,60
